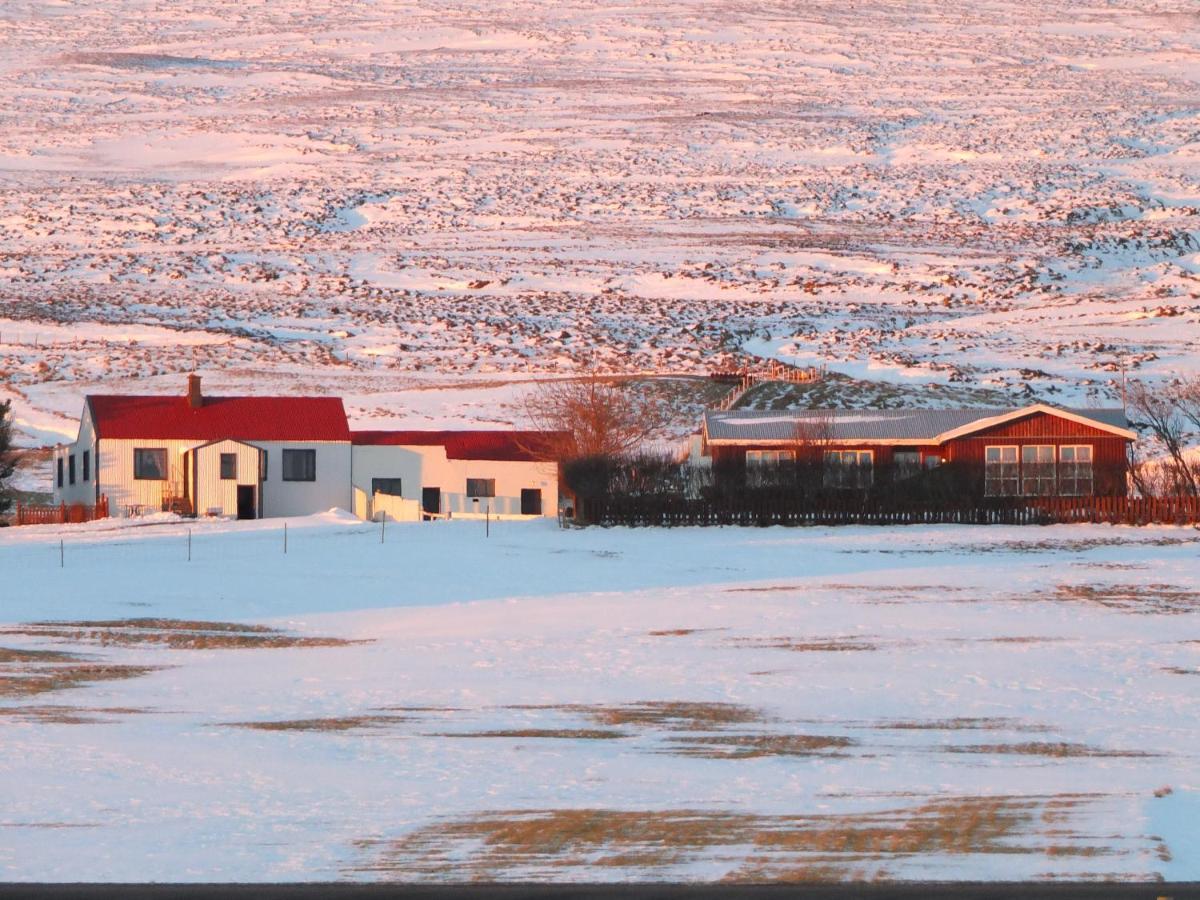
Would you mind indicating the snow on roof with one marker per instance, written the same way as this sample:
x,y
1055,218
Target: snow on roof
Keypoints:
x,y
874,425
503,446
240,418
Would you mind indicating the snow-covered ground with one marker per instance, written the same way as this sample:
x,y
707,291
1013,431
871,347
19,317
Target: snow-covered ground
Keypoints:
x,y
390,198
925,702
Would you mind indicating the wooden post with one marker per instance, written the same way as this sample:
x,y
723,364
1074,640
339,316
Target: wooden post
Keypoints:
x,y
285,538
382,525
189,545
62,557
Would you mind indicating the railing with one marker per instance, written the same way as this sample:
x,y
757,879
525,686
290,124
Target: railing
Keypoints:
x,y
744,380
672,511
63,513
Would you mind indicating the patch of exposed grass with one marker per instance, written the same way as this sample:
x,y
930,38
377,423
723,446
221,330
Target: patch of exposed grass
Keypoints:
x,y
815,645
753,746
586,734
1060,750
35,680
328,724
681,632
175,634
959,723
676,715
67,715
546,844
1179,670
1147,599
12,655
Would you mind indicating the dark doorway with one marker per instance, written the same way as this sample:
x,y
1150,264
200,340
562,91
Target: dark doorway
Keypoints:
x,y
531,501
247,508
431,499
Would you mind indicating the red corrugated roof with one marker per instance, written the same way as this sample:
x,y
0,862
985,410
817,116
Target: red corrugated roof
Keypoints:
x,y
242,418
503,446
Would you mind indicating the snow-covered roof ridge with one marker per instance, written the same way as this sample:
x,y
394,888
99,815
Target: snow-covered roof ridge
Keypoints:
x,y
914,425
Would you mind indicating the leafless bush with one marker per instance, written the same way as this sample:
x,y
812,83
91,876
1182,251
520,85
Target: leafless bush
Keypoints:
x,y
595,417
1171,412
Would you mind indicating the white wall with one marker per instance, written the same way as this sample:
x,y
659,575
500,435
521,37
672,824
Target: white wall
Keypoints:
x,y
216,495
301,498
81,491
427,466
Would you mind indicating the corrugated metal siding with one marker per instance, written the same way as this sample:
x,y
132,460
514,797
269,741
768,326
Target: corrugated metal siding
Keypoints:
x,y
116,474
1040,425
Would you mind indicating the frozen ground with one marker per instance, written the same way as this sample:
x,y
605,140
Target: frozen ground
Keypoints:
x,y
389,199
935,702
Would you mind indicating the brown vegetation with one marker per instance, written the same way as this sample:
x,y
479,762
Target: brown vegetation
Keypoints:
x,y
176,634
548,843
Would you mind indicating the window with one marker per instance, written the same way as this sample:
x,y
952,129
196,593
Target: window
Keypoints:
x,y
906,464
389,486
150,465
71,468
481,487
1001,472
299,465
87,465
768,457
1037,471
60,471
848,468
1075,471
262,465
229,467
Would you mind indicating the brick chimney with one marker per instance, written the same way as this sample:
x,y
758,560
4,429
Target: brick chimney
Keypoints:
x,y
194,397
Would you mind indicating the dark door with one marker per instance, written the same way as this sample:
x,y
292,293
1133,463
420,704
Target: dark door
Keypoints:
x,y
247,508
531,501
431,499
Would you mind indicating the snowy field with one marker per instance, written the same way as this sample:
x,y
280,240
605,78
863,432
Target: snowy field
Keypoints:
x,y
419,205
912,703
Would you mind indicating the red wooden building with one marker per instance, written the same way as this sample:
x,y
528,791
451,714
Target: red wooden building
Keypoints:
x,y
1036,450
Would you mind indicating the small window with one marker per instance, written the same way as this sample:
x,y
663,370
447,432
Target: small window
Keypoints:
x,y
150,465
481,487
262,465
299,465
1002,472
71,468
87,465
1037,470
389,486
1075,471
229,467
60,471
848,468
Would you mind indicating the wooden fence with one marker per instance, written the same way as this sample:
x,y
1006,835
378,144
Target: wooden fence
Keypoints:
x,y
61,514
668,511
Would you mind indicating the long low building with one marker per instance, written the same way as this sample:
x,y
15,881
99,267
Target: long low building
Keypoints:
x,y
255,457
504,473
1036,450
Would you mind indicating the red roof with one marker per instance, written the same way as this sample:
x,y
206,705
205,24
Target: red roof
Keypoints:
x,y
503,446
241,418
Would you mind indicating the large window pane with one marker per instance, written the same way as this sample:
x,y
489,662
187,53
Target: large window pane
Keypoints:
x,y
1002,472
1075,471
1037,470
299,465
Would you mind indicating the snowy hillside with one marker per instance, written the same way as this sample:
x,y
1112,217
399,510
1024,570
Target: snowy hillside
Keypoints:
x,y
391,199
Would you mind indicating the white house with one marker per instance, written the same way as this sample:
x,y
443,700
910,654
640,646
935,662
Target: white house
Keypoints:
x,y
505,473
229,456
252,457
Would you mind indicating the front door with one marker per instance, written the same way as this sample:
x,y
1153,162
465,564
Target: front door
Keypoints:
x,y
247,508
431,499
531,502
